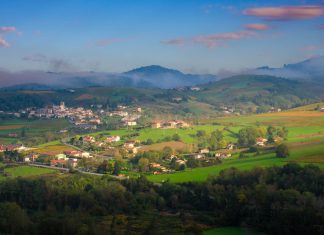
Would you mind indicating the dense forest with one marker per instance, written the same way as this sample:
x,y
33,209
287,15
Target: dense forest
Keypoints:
x,y
277,200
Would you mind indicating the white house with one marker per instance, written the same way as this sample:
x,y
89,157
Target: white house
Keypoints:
x,y
111,139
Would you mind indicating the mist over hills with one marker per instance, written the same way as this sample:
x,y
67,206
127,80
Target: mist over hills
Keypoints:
x,y
153,76
311,70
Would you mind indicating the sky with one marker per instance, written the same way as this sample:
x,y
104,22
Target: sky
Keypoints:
x,y
193,36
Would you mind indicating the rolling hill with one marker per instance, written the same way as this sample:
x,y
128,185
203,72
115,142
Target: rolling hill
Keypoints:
x,y
311,70
244,93
153,76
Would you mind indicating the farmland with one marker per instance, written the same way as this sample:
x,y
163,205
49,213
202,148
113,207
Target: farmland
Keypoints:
x,y
306,140
25,171
28,129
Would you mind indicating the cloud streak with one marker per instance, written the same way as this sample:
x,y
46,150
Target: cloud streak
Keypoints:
x,y
257,26
8,29
107,41
4,43
283,13
176,41
5,30
211,40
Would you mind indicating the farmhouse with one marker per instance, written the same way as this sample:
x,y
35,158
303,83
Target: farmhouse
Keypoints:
x,y
261,141
161,169
72,162
130,144
222,155
60,156
130,123
230,146
59,163
156,125
199,156
170,124
77,154
118,113
182,124
89,139
26,159
180,162
204,151
30,158
111,139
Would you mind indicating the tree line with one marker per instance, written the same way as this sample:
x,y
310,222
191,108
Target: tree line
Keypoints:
x,y
276,200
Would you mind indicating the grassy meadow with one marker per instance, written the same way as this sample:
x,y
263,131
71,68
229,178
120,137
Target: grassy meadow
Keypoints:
x,y
32,128
305,139
26,171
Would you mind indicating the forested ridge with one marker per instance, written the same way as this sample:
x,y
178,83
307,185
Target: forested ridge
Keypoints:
x,y
277,200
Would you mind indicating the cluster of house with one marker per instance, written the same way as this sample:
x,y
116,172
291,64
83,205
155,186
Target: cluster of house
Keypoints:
x,y
169,124
13,147
80,117
69,158
131,146
219,154
274,110
128,119
100,143
159,169
227,110
261,141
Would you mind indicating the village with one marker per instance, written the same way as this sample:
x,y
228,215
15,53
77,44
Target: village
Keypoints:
x,y
87,151
79,117
112,149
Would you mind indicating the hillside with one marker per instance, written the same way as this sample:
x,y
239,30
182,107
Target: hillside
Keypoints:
x,y
153,76
307,70
245,93
260,90
158,76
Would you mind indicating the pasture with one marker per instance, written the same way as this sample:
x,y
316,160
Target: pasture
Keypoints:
x,y
187,135
26,171
52,149
305,139
31,128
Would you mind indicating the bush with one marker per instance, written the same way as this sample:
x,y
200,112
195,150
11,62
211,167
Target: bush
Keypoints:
x,y
282,151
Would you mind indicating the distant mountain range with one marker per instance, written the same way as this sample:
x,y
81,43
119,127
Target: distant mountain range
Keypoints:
x,y
153,76
311,70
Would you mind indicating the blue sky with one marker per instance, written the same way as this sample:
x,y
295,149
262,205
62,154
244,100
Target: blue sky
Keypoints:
x,y
193,36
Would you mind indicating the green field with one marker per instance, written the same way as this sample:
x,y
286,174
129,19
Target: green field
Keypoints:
x,y
187,135
32,128
25,171
306,141
229,231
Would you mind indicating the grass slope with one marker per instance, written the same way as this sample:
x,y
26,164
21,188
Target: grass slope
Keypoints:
x,y
306,141
229,231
